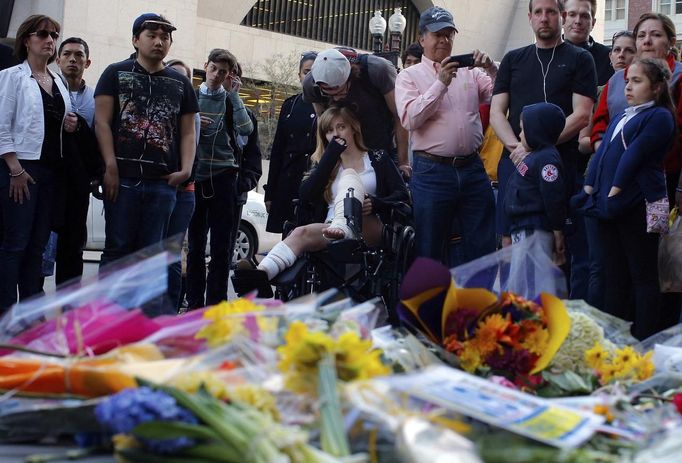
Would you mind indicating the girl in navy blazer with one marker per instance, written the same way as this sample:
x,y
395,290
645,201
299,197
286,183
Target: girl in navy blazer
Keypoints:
x,y
625,173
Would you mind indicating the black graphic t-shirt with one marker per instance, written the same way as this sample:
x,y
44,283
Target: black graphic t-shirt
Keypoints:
x,y
146,122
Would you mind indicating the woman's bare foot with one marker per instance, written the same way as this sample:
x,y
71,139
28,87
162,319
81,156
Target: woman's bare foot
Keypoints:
x,y
333,233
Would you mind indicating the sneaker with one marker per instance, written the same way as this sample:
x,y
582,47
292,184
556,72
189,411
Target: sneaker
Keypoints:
x,y
246,280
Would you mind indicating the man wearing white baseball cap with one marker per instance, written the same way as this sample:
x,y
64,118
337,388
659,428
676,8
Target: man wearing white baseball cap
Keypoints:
x,y
366,83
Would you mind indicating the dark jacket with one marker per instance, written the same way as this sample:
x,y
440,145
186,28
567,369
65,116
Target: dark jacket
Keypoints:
x,y
602,60
536,193
391,192
7,59
637,170
289,159
82,163
249,159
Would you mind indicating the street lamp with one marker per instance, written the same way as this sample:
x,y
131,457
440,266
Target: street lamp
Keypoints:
x,y
377,27
396,24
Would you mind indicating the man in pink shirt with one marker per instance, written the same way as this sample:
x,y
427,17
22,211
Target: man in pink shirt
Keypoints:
x,y
438,103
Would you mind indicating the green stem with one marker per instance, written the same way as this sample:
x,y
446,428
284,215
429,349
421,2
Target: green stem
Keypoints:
x,y
28,350
332,433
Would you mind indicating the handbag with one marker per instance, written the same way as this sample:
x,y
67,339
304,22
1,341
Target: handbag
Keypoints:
x,y
656,211
657,216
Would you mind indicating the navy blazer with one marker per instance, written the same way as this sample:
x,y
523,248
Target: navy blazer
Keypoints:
x,y
632,161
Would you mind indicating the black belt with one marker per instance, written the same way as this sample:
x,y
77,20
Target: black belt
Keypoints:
x,y
457,161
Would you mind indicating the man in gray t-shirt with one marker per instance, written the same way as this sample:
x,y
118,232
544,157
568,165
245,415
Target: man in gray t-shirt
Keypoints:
x,y
367,84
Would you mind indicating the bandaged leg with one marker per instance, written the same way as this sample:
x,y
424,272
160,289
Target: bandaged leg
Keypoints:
x,y
278,259
338,227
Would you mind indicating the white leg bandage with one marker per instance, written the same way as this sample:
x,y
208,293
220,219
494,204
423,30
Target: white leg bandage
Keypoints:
x,y
349,179
278,259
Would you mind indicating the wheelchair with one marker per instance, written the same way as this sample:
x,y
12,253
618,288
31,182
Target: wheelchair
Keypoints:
x,y
358,270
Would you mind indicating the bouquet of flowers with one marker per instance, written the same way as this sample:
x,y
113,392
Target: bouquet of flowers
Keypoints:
x,y
508,336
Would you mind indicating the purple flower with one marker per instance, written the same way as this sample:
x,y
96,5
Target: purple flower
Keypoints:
x,y
130,407
461,323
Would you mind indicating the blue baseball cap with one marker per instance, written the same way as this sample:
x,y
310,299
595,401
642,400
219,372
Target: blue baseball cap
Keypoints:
x,y
152,18
435,19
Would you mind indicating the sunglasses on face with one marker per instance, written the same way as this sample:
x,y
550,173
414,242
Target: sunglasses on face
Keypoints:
x,y
44,33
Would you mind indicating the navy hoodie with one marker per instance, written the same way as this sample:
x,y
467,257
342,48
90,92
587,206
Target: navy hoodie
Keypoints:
x,y
536,193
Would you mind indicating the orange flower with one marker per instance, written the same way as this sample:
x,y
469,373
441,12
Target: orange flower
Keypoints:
x,y
489,333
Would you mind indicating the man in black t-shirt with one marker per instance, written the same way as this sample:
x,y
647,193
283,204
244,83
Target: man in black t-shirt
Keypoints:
x,y
144,115
555,72
580,19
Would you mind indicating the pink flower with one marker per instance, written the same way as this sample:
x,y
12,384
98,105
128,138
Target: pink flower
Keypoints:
x,y
502,381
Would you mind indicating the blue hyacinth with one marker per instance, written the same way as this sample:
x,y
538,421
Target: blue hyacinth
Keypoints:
x,y
123,411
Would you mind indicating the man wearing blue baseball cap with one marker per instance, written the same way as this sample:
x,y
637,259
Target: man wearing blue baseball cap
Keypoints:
x,y
438,102
144,114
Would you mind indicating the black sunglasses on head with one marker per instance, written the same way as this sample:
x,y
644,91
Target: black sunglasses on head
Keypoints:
x,y
622,34
154,25
44,33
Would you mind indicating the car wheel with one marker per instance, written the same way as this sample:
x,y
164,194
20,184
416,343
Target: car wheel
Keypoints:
x,y
246,244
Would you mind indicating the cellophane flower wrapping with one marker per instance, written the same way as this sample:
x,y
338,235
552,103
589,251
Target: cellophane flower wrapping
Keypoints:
x,y
99,313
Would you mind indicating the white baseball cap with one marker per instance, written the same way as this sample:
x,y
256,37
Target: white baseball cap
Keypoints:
x,y
331,68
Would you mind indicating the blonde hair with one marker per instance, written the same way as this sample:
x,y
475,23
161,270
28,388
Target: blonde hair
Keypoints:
x,y
324,124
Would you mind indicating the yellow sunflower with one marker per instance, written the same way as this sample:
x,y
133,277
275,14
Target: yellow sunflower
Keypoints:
x,y
596,357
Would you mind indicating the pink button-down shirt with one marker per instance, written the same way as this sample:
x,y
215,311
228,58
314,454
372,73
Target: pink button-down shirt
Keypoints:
x,y
442,120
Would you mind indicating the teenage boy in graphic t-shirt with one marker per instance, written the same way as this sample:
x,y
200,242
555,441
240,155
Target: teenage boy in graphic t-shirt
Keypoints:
x,y
144,116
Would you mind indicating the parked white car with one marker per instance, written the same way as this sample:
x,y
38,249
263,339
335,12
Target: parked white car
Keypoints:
x,y
252,238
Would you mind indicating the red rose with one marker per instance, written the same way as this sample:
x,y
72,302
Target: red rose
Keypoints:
x,y
677,400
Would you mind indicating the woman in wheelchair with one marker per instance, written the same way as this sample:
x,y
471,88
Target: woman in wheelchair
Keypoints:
x,y
340,162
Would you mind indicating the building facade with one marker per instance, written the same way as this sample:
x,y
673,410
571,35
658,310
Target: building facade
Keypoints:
x,y
623,14
267,36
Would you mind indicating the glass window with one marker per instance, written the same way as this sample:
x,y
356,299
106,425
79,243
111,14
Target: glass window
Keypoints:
x,y
620,9
664,6
608,10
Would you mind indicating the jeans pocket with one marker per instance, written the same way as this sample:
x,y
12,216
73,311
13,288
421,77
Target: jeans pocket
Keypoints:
x,y
421,166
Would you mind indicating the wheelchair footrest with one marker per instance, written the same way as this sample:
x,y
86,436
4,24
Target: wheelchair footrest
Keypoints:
x,y
345,250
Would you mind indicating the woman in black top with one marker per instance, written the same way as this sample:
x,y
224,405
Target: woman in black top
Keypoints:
x,y
31,153
289,159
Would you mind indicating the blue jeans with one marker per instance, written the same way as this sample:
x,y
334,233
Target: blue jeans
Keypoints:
x,y
444,195
138,218
24,233
179,222
216,202
577,249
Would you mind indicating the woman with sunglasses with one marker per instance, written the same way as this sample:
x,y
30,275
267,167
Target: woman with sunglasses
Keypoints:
x,y
291,149
34,109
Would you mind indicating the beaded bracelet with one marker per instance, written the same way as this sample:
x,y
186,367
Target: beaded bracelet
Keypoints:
x,y
19,174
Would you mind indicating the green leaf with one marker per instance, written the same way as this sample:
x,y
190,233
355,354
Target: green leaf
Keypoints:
x,y
173,429
569,382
